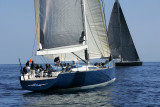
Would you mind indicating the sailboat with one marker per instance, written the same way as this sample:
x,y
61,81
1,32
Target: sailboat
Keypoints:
x,y
71,29
120,40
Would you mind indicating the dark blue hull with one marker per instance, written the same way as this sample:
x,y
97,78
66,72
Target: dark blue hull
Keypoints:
x,y
70,80
130,63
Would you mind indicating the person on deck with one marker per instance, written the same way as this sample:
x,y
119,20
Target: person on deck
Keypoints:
x,y
45,71
28,69
37,71
110,58
57,61
41,71
68,67
50,70
41,68
32,65
74,64
32,69
46,67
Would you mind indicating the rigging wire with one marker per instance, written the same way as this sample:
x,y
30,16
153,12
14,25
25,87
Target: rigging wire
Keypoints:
x,y
103,6
120,47
42,59
33,45
45,59
65,58
104,23
34,49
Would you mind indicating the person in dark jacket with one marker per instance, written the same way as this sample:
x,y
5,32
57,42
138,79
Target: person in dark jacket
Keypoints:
x,y
32,65
57,61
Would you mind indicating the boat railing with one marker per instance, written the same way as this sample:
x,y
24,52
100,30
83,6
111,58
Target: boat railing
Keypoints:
x,y
38,74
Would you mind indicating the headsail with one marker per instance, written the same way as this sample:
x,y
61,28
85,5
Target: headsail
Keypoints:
x,y
59,26
96,30
121,43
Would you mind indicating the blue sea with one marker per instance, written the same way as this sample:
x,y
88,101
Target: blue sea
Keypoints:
x,y
134,87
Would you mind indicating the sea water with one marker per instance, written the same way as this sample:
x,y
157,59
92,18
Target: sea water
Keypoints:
x,y
134,87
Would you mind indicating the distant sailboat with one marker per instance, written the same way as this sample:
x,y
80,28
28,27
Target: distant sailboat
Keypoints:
x,y
120,40
71,29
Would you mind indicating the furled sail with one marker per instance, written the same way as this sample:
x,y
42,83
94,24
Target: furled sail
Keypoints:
x,y
96,30
121,43
59,26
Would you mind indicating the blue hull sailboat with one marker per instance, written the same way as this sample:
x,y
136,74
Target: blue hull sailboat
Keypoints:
x,y
69,30
76,80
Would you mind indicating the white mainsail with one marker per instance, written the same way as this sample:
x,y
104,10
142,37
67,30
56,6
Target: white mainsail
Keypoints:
x,y
60,24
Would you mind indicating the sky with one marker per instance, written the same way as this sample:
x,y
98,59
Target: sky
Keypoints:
x,y
17,28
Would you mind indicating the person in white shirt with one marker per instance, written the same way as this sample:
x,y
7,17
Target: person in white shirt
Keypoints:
x,y
28,69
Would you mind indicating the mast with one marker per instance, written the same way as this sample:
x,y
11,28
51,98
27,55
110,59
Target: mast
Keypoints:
x,y
86,37
120,25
